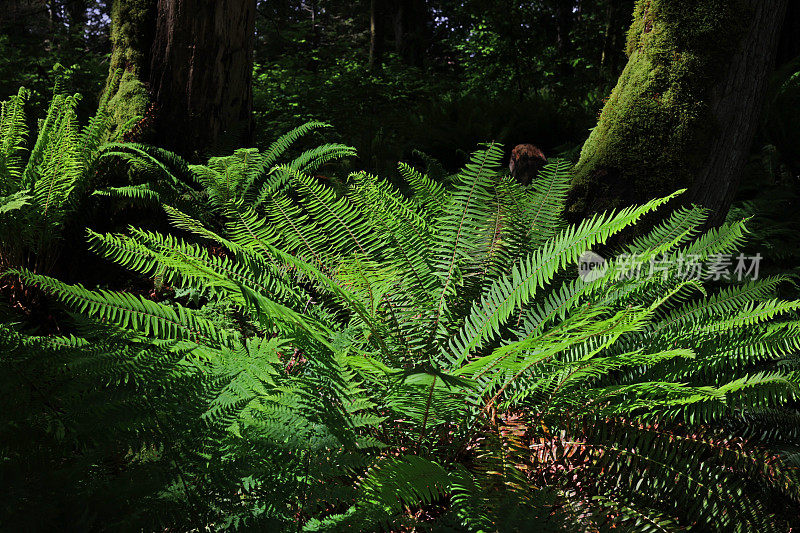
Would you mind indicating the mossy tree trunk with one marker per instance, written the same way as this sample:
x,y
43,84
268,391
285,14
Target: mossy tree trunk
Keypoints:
x,y
132,24
686,107
187,69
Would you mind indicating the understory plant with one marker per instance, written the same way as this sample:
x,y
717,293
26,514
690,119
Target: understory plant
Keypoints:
x,y
376,361
203,191
43,185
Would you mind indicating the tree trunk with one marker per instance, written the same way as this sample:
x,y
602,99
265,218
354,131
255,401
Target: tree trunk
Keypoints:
x,y
409,31
737,104
76,13
132,23
201,73
789,47
686,107
618,14
564,14
377,32
187,69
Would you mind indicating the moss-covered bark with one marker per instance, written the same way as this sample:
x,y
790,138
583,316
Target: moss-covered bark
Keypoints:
x,y
184,67
132,25
656,129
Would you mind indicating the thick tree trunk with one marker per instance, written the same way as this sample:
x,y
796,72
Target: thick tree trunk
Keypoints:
x,y
686,107
201,73
737,103
789,47
410,31
187,69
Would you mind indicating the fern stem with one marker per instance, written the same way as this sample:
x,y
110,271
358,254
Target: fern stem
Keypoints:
x,y
425,417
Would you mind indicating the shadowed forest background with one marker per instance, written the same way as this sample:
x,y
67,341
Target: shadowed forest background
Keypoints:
x,y
393,78
311,265
459,74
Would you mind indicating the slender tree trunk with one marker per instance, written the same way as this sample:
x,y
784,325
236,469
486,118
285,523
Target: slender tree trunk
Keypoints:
x,y
618,14
410,31
611,9
377,35
686,107
76,12
187,69
564,14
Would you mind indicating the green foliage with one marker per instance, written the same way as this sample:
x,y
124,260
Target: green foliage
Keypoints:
x,y
375,361
247,177
511,89
119,432
27,58
44,179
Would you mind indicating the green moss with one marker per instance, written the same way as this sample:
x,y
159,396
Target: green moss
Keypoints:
x,y
132,23
130,99
651,134
131,33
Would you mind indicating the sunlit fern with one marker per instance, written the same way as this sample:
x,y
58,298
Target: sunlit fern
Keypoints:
x,y
46,178
495,389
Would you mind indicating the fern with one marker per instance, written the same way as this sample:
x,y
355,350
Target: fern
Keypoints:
x,y
45,188
371,360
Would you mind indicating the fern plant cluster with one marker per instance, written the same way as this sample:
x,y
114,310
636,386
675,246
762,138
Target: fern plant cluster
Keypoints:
x,y
45,182
377,361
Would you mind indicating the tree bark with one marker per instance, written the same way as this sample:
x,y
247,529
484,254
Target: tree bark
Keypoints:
x,y
737,104
201,73
377,32
789,47
686,107
410,31
187,69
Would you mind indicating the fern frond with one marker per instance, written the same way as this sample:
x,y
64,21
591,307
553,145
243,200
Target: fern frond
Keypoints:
x,y
135,312
280,145
137,194
679,227
460,230
337,218
13,134
428,194
543,207
534,272
169,164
